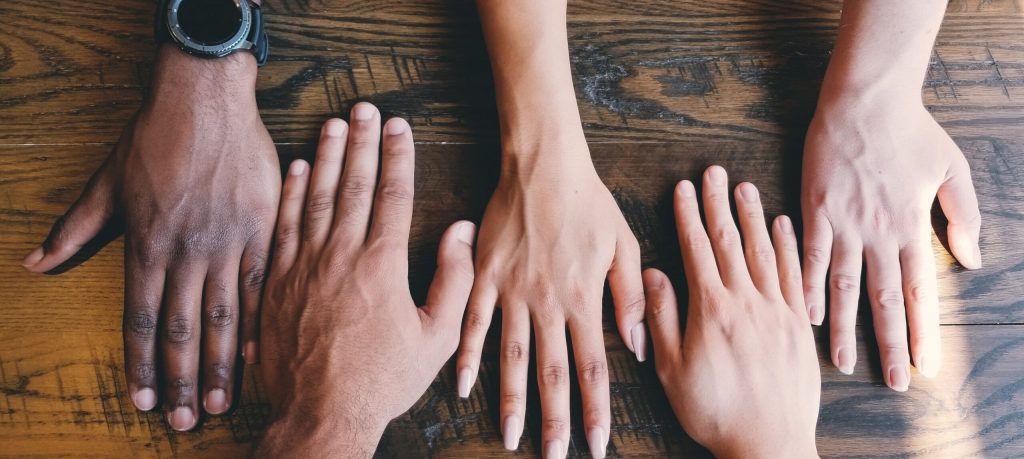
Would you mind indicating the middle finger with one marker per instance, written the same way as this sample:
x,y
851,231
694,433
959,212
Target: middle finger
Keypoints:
x,y
553,382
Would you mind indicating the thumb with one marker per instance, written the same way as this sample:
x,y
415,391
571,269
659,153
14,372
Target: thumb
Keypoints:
x,y
79,225
449,292
960,204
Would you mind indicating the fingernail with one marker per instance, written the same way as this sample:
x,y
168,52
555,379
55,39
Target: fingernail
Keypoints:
x,y
899,379
396,126
553,449
976,258
181,419
465,382
845,361
249,353
467,232
925,367
216,401
639,338
334,128
33,257
716,175
597,442
145,399
814,313
749,192
686,189
785,225
363,111
297,168
511,431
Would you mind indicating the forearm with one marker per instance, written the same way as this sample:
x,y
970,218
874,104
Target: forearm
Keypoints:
x,y
882,51
528,45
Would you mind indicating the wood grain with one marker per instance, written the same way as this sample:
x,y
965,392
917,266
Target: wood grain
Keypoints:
x,y
665,88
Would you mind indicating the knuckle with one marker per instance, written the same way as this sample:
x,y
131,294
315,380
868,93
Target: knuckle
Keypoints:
x,y
917,292
220,316
696,240
512,398
356,185
514,352
763,254
846,283
555,424
635,305
394,192
256,274
286,233
554,376
141,324
320,204
593,372
726,236
183,387
817,255
219,370
144,371
475,322
889,300
179,329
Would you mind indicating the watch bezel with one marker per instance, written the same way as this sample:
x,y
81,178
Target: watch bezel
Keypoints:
x,y
222,49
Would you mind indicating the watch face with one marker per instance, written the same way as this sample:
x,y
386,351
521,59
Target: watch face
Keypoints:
x,y
210,22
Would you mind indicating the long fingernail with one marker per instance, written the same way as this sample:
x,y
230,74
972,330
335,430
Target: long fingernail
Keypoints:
x,y
467,232
748,191
638,336
925,366
511,431
844,361
216,401
181,419
465,382
145,399
597,442
899,378
33,257
249,353
975,258
553,449
716,175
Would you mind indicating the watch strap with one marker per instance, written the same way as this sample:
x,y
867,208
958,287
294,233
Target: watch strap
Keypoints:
x,y
258,42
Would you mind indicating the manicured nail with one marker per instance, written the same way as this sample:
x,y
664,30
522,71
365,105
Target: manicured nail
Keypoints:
x,y
511,430
33,257
899,378
297,168
250,353
814,313
465,382
785,225
925,367
145,399
553,449
396,126
716,175
597,442
181,419
748,191
363,111
975,262
638,336
466,232
334,128
686,189
845,361
216,401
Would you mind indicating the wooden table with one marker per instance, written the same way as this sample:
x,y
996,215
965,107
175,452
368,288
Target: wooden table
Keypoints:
x,y
665,87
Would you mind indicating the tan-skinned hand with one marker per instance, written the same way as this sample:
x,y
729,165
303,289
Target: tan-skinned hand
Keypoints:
x,y
345,349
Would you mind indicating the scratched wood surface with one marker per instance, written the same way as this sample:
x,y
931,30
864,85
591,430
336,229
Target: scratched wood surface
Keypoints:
x,y
665,88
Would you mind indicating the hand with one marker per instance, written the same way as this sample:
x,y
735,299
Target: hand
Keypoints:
x,y
549,238
743,380
195,181
345,349
870,176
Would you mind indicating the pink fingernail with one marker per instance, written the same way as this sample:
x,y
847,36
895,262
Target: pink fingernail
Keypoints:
x,y
511,430
597,442
638,336
899,378
363,111
181,419
396,126
297,168
785,225
145,399
334,128
466,232
33,257
845,361
216,401
553,449
686,189
716,175
749,192
465,382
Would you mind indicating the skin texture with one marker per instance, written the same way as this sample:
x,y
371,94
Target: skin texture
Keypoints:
x,y
743,379
195,182
874,162
551,235
345,348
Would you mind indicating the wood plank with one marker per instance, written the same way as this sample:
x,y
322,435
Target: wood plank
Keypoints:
x,y
75,71
62,393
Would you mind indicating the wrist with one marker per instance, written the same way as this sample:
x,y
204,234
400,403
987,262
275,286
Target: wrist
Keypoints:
x,y
740,450
559,155
312,429
178,75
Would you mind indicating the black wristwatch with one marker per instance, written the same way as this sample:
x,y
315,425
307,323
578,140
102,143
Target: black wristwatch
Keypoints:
x,y
212,28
